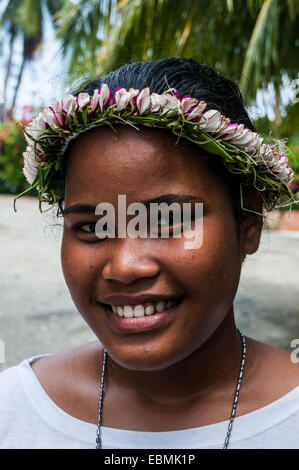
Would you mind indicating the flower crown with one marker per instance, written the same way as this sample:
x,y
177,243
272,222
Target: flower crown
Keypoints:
x,y
242,150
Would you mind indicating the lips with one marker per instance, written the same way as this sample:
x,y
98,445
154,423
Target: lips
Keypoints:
x,y
136,299
139,324
140,310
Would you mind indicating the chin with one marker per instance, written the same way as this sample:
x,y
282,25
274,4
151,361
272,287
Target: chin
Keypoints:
x,y
145,357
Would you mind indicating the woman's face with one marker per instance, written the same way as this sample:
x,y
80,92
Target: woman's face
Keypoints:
x,y
145,165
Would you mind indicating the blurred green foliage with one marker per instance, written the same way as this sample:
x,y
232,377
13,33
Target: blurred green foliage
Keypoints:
x,y
12,146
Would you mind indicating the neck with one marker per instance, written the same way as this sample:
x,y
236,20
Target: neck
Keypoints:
x,y
212,368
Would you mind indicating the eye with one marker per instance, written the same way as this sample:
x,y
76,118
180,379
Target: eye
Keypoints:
x,y
87,228
170,219
169,223
165,222
92,231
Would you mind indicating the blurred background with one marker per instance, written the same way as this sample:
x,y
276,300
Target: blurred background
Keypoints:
x,y
46,48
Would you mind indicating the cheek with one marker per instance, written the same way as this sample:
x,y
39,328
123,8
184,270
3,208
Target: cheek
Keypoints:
x,y
215,266
219,252
77,261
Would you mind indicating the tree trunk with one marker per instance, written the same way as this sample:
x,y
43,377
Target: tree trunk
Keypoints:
x,y
10,113
278,120
8,68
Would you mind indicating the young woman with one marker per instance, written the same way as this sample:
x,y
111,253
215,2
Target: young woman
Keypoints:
x,y
170,369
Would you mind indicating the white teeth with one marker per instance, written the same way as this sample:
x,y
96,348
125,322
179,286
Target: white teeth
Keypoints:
x,y
160,307
129,311
120,311
149,309
139,311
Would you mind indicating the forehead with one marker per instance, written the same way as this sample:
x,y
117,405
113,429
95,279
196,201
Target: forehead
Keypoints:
x,y
102,163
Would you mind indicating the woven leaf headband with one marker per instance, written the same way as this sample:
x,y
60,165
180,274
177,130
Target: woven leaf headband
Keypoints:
x,y
242,150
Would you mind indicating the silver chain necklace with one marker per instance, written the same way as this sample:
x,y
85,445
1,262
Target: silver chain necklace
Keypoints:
x,y
232,416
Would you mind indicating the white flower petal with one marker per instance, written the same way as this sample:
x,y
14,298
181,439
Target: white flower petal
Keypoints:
x,y
235,133
211,121
29,174
244,138
143,100
197,111
122,98
223,125
171,103
49,117
228,131
34,132
30,166
69,104
83,100
187,103
105,95
157,102
57,105
27,138
256,141
94,102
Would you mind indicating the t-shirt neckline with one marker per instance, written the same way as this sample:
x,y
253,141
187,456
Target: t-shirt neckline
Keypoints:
x,y
244,426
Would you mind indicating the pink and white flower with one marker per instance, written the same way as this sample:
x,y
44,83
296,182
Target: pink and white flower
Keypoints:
x,y
228,132
30,166
83,100
101,98
142,100
157,102
196,111
105,96
122,98
35,128
211,122
69,104
187,103
255,142
234,132
94,102
171,103
58,112
223,125
243,139
49,117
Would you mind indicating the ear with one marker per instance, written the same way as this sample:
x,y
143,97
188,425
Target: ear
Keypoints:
x,y
252,224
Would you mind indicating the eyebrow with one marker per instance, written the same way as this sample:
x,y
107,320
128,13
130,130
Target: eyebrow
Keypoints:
x,y
168,198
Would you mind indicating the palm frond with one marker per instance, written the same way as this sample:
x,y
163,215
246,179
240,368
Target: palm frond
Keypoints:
x,y
268,51
81,27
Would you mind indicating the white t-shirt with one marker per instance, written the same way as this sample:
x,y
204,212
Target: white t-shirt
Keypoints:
x,y
29,419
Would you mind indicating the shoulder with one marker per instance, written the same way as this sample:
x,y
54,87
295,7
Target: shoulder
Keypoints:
x,y
272,371
66,363
14,381
279,362
15,387
71,379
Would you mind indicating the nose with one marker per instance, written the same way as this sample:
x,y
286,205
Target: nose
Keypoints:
x,y
130,262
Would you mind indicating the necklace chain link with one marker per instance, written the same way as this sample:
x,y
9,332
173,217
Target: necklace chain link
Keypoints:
x,y
233,412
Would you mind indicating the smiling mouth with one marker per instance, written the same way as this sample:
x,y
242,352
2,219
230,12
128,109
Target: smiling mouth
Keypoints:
x,y
144,309
142,322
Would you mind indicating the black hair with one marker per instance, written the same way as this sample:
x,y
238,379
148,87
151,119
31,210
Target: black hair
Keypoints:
x,y
187,76
200,81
